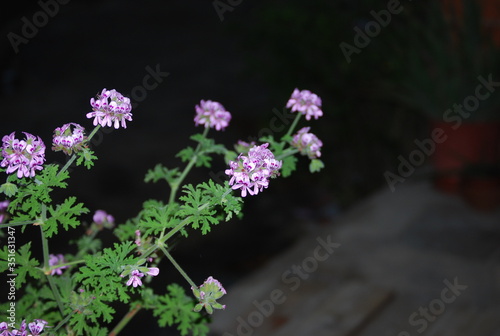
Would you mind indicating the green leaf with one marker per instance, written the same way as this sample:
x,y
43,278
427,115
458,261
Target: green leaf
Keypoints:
x,y
288,166
102,272
9,189
186,154
33,192
87,157
175,307
64,214
196,209
316,165
19,262
161,172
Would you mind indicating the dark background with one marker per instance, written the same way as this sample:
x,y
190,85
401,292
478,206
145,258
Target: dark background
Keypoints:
x,y
250,62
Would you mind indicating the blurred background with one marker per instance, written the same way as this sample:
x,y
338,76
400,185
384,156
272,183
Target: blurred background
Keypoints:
x,y
381,92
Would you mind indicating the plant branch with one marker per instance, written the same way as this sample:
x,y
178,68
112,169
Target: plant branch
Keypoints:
x,y
178,267
294,124
126,319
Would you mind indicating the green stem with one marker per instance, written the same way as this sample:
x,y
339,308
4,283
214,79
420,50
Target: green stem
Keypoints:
x,y
73,157
63,322
175,186
19,223
67,264
45,250
126,319
286,153
178,267
163,238
45,242
294,124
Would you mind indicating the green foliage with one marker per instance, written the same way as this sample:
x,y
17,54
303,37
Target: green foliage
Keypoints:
x,y
196,209
175,307
156,217
83,299
205,146
9,189
316,165
20,263
31,194
161,172
199,204
288,166
63,214
102,272
87,157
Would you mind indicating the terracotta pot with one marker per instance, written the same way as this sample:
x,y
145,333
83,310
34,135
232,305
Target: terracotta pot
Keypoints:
x,y
481,192
490,12
469,144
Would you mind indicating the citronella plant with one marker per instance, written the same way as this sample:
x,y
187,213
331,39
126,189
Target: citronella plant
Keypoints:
x,y
50,293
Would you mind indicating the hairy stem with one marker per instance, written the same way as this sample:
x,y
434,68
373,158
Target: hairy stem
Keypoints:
x,y
46,257
126,319
175,186
294,124
286,153
163,238
63,322
178,267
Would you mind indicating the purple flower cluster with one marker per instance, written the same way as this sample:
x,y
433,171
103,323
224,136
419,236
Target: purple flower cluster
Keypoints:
x,y
25,156
110,108
208,294
307,143
251,173
212,114
102,219
55,260
33,329
68,138
306,102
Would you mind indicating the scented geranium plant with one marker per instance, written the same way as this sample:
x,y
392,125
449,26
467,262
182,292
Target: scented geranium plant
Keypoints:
x,y
51,293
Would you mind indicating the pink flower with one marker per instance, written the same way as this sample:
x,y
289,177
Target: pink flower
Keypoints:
x,y
55,260
36,327
68,138
25,156
307,143
153,271
102,219
4,329
251,173
110,108
212,114
306,102
136,273
135,278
